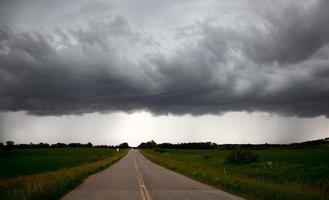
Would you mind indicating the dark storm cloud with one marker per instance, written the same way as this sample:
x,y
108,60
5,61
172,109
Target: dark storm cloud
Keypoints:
x,y
297,33
278,63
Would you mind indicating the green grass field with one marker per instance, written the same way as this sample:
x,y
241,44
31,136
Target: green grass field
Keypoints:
x,y
50,173
295,173
32,161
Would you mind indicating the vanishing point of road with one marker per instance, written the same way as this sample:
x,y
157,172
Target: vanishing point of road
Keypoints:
x,y
135,177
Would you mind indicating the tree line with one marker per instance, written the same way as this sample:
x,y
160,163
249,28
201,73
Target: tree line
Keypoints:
x,y
190,145
11,145
210,145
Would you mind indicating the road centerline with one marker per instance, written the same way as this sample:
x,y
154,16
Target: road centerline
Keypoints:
x,y
143,189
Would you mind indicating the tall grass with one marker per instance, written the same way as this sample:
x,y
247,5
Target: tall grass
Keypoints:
x,y
248,187
52,185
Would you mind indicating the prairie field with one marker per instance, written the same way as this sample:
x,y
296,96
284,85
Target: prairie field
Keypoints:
x,y
32,161
50,173
278,173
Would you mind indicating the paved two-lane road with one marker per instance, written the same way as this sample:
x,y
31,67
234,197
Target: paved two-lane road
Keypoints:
x,y
135,177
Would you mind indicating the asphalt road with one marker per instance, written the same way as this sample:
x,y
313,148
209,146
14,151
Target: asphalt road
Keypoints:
x,y
135,177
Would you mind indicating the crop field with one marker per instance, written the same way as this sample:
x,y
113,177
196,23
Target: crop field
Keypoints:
x,y
50,173
278,174
31,161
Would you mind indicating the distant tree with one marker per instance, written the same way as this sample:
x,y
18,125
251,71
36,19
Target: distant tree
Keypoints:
x,y
190,145
59,145
23,146
148,145
124,145
74,145
103,146
42,145
10,143
89,144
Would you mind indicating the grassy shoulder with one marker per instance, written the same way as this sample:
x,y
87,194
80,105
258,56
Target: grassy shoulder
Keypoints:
x,y
53,184
294,174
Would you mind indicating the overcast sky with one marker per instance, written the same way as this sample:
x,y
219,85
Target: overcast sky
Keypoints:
x,y
109,71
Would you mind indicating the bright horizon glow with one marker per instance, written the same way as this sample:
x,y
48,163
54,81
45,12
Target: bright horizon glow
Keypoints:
x,y
137,127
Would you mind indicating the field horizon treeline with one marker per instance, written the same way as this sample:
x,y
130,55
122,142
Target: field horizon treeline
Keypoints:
x,y
152,144
12,144
6,148
210,145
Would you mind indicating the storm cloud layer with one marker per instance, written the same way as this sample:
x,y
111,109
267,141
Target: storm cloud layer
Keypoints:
x,y
186,57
